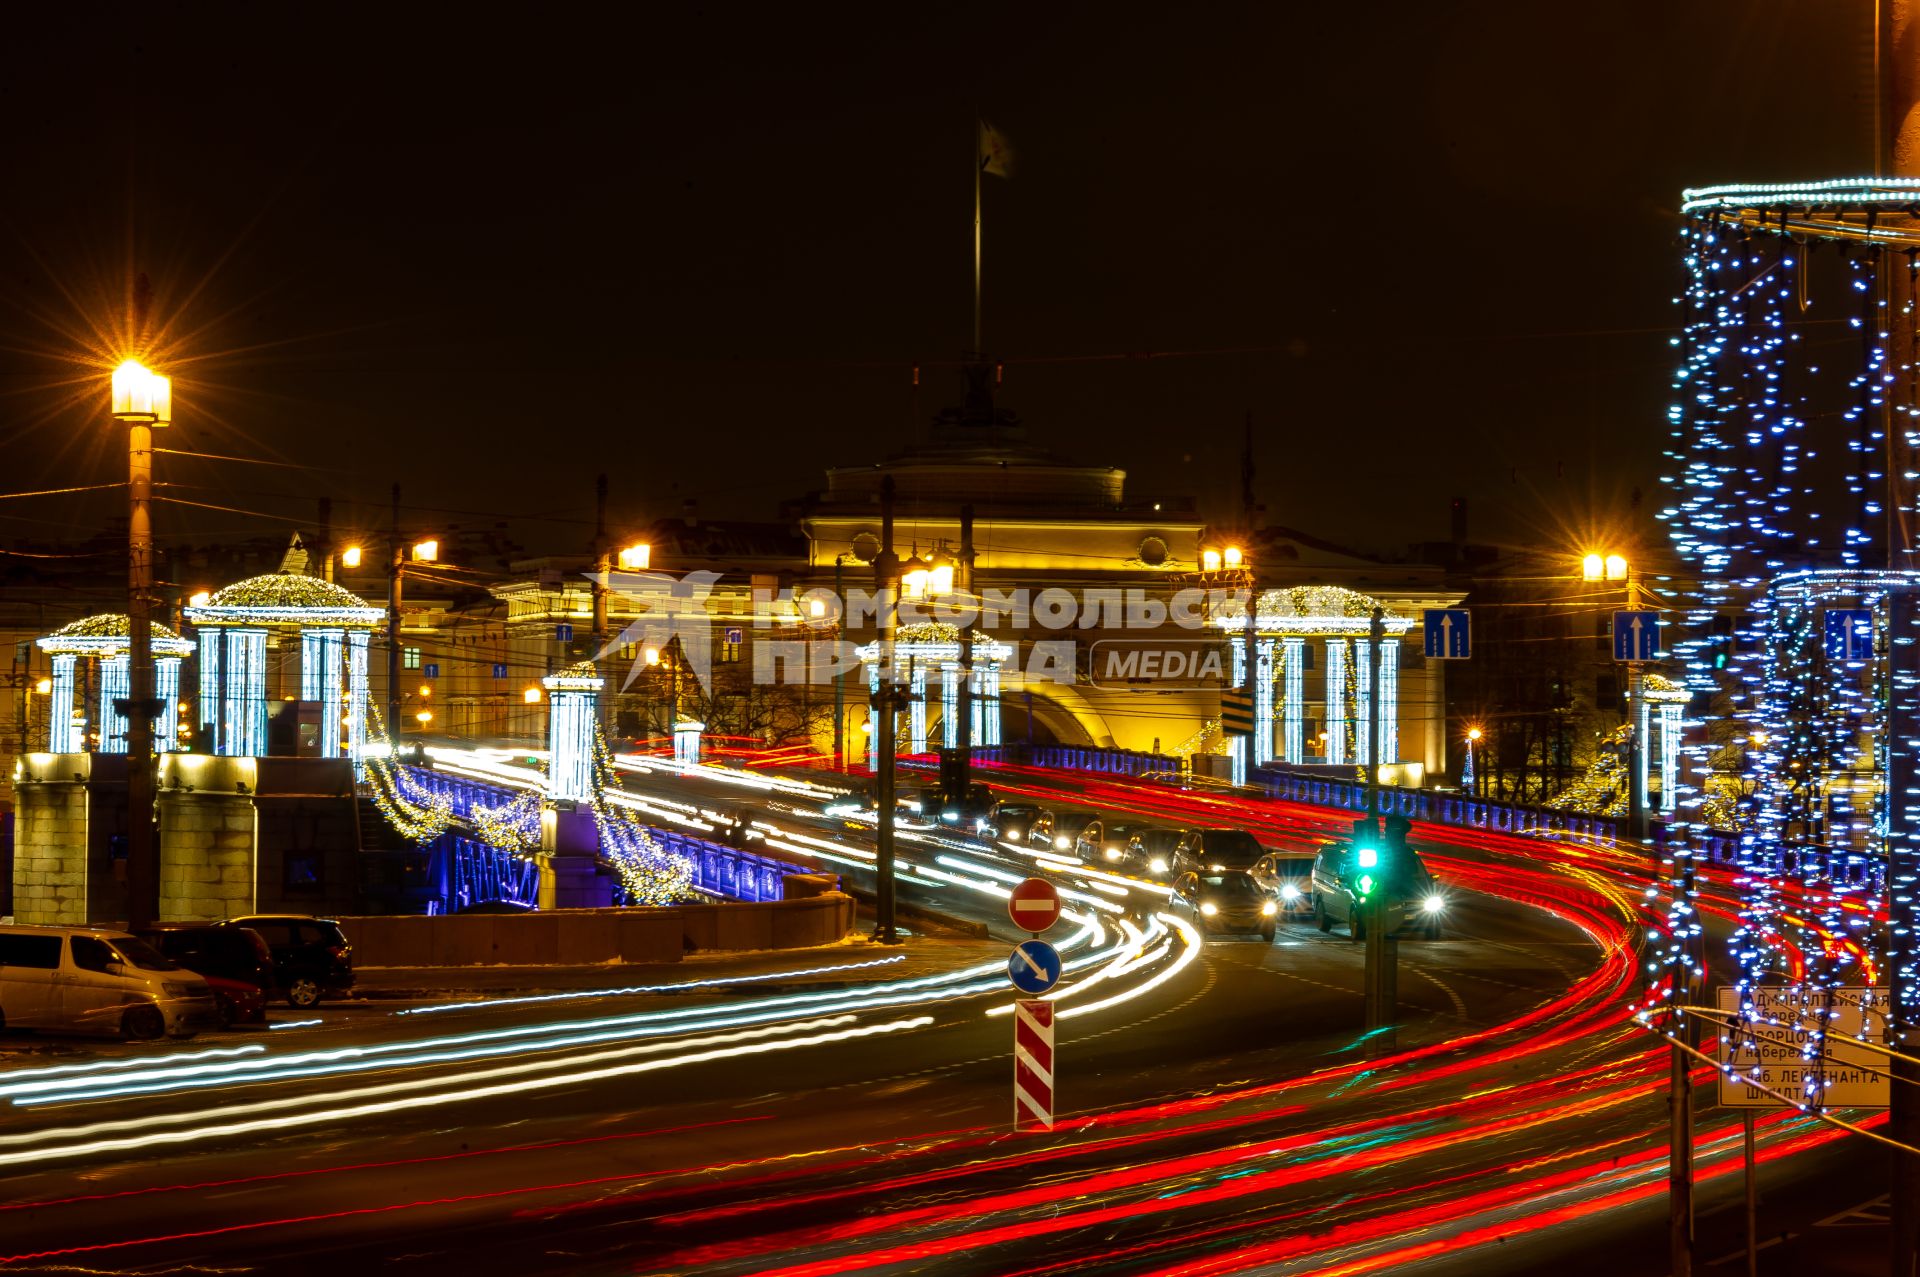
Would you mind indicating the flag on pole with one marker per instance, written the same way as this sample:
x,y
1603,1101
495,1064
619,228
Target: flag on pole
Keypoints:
x,y
996,156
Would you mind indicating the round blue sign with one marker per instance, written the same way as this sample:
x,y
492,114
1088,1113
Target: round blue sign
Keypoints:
x,y
1034,966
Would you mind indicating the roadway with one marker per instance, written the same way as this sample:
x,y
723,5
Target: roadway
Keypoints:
x,y
1222,1109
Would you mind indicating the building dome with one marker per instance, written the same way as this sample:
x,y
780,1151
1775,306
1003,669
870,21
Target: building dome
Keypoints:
x,y
107,635
107,625
286,590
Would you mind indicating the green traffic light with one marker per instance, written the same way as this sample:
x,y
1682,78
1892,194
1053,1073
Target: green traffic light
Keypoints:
x,y
1366,884
1369,857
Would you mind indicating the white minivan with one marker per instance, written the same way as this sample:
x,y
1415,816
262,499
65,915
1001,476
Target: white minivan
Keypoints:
x,y
97,980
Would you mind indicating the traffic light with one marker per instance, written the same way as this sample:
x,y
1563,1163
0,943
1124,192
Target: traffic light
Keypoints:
x,y
1720,641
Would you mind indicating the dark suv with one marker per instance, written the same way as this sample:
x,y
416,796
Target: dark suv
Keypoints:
x,y
311,958
1212,851
224,953
1409,897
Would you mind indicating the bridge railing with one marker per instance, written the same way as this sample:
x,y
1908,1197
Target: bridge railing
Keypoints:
x,y
1840,866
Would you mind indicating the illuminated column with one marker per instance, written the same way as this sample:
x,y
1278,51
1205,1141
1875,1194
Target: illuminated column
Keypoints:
x,y
1363,701
1336,700
357,696
209,733
986,703
320,681
166,686
573,700
686,741
1669,756
244,683
114,685
1293,707
873,714
1263,701
950,705
62,736
917,714
1390,699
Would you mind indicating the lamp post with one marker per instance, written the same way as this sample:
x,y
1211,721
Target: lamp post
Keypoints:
x,y
1468,780
143,400
1614,567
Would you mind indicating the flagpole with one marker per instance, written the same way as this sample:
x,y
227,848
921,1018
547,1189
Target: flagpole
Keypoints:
x,y
978,164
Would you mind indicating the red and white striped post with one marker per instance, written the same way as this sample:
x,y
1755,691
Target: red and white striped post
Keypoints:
x,y
1032,1065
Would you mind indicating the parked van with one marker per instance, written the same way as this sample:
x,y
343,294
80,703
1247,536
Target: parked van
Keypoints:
x,y
97,980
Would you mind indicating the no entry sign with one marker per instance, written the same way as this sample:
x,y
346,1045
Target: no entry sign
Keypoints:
x,y
1034,905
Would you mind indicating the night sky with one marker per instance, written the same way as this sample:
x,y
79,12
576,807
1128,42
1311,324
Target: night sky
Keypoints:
x,y
490,252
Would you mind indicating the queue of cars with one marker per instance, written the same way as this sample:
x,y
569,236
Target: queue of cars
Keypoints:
x,y
172,979
1224,879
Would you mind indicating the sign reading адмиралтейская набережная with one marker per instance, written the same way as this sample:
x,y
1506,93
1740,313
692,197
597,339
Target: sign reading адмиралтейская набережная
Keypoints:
x,y
1775,1049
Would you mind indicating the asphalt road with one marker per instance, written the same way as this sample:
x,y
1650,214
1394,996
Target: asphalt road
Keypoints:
x,y
1233,1117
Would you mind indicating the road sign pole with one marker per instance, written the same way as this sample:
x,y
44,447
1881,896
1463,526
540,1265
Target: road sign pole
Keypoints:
x,y
1753,1249
1903,920
1033,1065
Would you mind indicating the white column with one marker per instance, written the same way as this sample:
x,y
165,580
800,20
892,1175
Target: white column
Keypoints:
x,y
1363,701
62,737
357,696
1293,700
1263,676
320,653
986,705
244,714
1337,710
1390,699
873,715
570,744
1669,755
166,686
208,732
115,682
917,710
950,705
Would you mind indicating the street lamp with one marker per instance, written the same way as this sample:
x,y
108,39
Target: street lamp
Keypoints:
x,y
350,557
636,558
143,400
1614,567
1468,780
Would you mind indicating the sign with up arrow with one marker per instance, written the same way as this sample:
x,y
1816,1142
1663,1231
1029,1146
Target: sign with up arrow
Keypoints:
x,y
1449,634
1636,635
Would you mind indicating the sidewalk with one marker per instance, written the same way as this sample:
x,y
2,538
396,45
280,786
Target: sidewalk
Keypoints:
x,y
765,971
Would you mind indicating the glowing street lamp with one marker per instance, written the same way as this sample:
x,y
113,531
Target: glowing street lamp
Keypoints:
x,y
1232,556
531,696
350,557
426,551
1468,780
636,558
1210,560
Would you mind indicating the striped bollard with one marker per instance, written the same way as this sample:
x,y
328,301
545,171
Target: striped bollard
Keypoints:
x,y
1032,1065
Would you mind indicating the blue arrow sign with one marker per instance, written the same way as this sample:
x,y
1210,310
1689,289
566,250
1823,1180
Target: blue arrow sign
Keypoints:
x,y
432,670
1449,634
1034,966
1636,635
563,633
1850,633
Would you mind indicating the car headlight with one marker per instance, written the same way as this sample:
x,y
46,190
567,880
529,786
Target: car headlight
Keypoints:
x,y
1216,869
1113,853
1433,904
1289,892
1209,908
175,990
1062,843
1268,909
1158,865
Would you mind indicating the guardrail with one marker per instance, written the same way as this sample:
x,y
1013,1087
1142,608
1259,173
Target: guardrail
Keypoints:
x,y
1839,866
718,869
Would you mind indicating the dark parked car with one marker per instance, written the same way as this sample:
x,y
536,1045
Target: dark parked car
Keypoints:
x,y
1058,831
1226,902
1152,851
311,958
1409,897
495,906
235,961
1009,822
1212,851
1288,878
1105,843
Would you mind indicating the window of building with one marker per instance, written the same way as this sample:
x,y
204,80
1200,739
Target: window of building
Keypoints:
x,y
410,658
731,640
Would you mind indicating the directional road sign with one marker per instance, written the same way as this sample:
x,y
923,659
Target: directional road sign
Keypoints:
x,y
1236,712
1449,632
1034,966
1034,905
430,670
1636,635
1032,1065
1775,1048
1850,633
